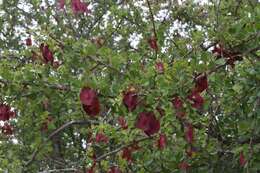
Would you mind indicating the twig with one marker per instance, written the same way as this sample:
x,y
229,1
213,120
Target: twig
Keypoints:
x,y
122,147
216,69
60,44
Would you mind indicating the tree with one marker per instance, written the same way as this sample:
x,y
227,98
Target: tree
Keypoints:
x,y
129,86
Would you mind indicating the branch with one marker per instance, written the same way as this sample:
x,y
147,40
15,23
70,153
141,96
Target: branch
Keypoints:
x,y
122,147
255,49
216,69
255,140
152,19
52,86
60,170
104,64
3,81
77,35
55,132
92,25
251,37
114,31
205,48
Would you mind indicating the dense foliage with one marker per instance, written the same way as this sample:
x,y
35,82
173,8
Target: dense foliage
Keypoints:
x,y
129,86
